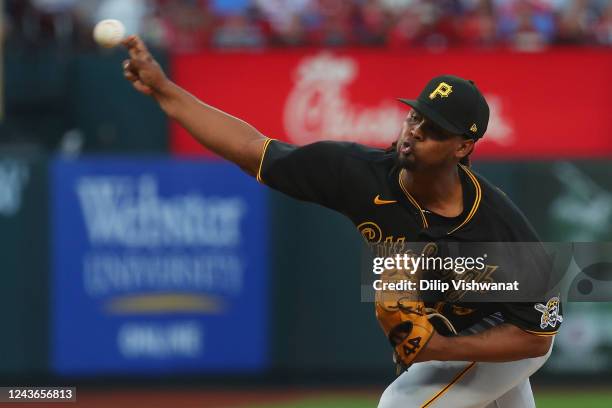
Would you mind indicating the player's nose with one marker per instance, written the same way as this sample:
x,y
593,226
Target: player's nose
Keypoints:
x,y
415,133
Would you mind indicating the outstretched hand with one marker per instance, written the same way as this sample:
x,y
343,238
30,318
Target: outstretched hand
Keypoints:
x,y
141,69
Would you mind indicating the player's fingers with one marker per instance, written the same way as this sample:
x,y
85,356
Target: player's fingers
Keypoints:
x,y
131,44
129,72
130,76
131,66
136,47
140,87
134,42
128,41
126,65
134,65
133,54
139,44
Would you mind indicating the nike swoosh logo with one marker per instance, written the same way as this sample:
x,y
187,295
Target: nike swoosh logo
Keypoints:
x,y
378,201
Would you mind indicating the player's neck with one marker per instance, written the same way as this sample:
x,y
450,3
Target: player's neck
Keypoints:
x,y
438,191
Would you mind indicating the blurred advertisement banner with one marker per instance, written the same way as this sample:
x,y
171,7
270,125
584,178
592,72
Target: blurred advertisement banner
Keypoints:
x,y
158,267
543,105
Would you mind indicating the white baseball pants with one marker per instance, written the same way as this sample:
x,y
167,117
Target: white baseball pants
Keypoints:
x,y
456,384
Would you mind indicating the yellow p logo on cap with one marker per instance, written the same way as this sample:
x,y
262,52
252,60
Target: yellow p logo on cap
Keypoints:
x,y
443,90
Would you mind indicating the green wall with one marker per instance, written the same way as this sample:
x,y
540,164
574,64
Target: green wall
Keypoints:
x,y
49,92
24,257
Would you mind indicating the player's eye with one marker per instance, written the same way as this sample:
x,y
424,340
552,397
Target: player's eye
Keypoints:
x,y
414,117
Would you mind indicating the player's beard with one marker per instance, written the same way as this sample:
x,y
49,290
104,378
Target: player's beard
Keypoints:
x,y
405,161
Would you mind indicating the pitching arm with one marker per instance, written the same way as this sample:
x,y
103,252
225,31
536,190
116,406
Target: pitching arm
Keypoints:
x,y
228,136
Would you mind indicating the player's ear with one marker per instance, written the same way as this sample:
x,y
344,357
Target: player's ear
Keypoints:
x,y
464,148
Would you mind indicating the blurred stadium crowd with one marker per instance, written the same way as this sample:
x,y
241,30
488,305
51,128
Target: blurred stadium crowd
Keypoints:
x,y
192,25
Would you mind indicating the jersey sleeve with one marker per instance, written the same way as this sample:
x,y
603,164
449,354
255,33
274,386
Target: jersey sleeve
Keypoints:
x,y
543,318
532,267
535,271
311,173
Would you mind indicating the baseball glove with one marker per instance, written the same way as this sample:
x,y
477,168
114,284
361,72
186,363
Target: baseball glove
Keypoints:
x,y
404,319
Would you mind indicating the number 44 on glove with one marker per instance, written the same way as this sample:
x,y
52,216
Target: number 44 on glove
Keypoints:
x,y
406,325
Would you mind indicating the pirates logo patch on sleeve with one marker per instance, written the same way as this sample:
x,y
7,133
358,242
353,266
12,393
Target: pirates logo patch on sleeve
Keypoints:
x,y
550,313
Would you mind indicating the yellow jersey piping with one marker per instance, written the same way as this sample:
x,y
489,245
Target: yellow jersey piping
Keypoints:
x,y
476,200
412,200
544,334
453,382
261,159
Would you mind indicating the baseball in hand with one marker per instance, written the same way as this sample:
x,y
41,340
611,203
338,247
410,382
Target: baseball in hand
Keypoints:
x,y
109,33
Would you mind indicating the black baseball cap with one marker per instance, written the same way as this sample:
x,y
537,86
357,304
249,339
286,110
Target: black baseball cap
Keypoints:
x,y
454,104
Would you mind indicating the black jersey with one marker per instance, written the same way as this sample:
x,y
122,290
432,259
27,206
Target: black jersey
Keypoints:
x,y
365,184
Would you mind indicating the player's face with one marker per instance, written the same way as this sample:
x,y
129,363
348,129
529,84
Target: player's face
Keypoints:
x,y
422,145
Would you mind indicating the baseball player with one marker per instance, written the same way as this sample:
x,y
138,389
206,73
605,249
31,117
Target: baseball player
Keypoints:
x,y
420,190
